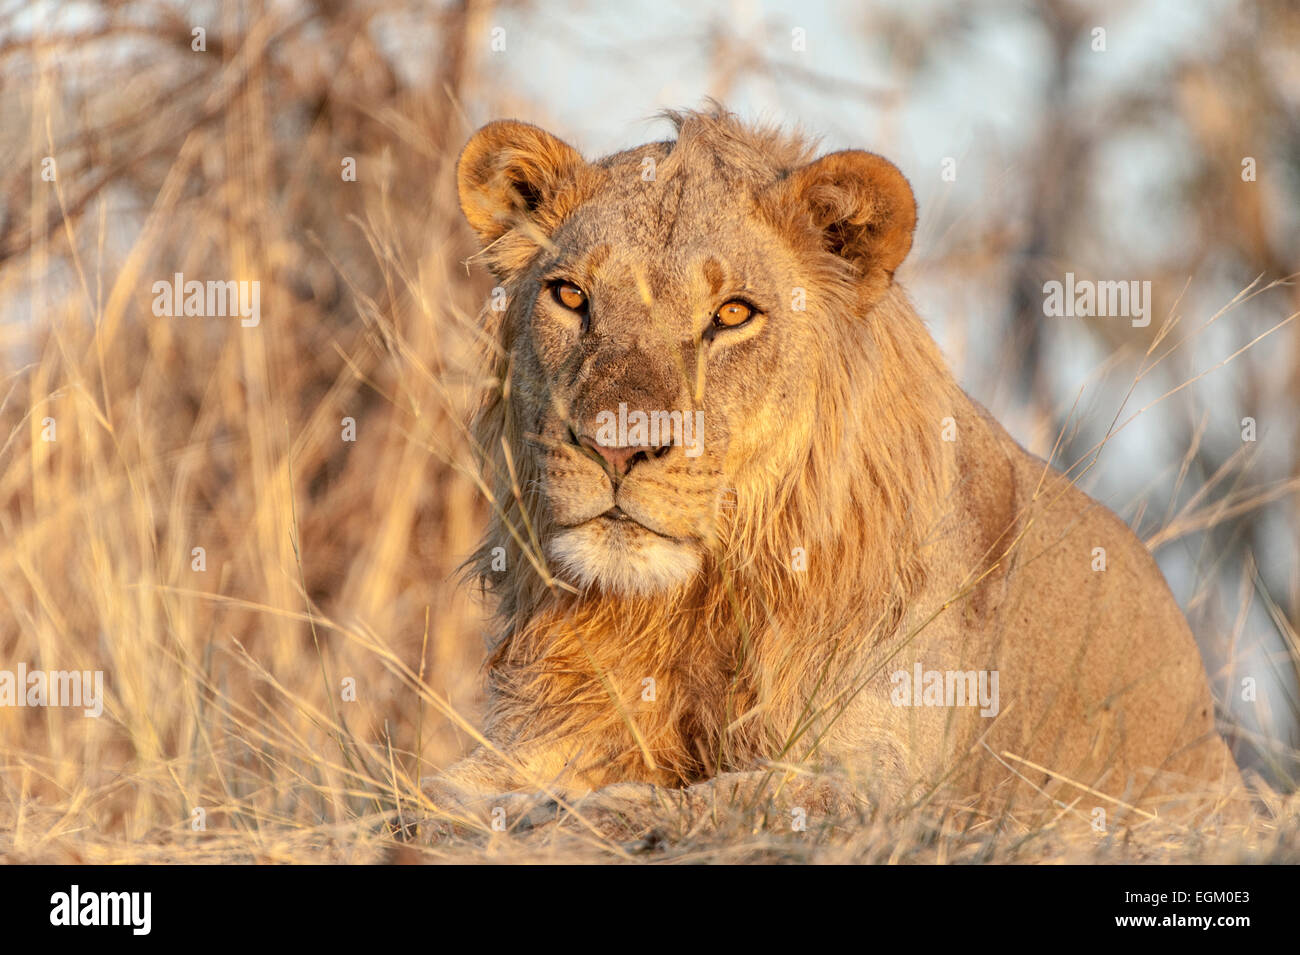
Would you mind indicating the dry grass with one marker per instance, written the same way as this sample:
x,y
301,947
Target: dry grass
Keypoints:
x,y
326,560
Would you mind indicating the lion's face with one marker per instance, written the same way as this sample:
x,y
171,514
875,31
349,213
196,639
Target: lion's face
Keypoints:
x,y
666,338
661,362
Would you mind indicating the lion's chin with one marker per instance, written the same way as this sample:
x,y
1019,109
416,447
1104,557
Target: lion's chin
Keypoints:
x,y
623,557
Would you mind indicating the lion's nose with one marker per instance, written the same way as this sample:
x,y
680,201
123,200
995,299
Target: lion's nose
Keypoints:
x,y
621,460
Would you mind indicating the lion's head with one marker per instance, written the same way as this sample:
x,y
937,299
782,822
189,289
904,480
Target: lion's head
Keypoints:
x,y
686,346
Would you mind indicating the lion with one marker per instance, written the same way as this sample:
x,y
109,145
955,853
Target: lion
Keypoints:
x,y
744,517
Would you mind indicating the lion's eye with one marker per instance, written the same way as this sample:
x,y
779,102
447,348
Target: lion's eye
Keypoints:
x,y
569,295
733,314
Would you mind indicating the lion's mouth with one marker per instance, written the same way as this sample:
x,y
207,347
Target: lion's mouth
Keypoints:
x,y
620,518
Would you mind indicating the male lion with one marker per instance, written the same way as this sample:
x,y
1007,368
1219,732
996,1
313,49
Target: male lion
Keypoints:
x,y
846,563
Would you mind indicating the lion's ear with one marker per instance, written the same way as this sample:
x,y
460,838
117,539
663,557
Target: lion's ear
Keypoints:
x,y
508,173
862,205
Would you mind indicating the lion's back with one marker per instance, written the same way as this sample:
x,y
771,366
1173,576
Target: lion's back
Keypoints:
x,y
1094,648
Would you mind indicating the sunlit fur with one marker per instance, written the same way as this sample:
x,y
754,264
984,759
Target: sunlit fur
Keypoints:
x,y
876,457
751,657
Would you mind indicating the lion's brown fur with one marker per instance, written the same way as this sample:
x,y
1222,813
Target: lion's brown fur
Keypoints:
x,y
750,660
